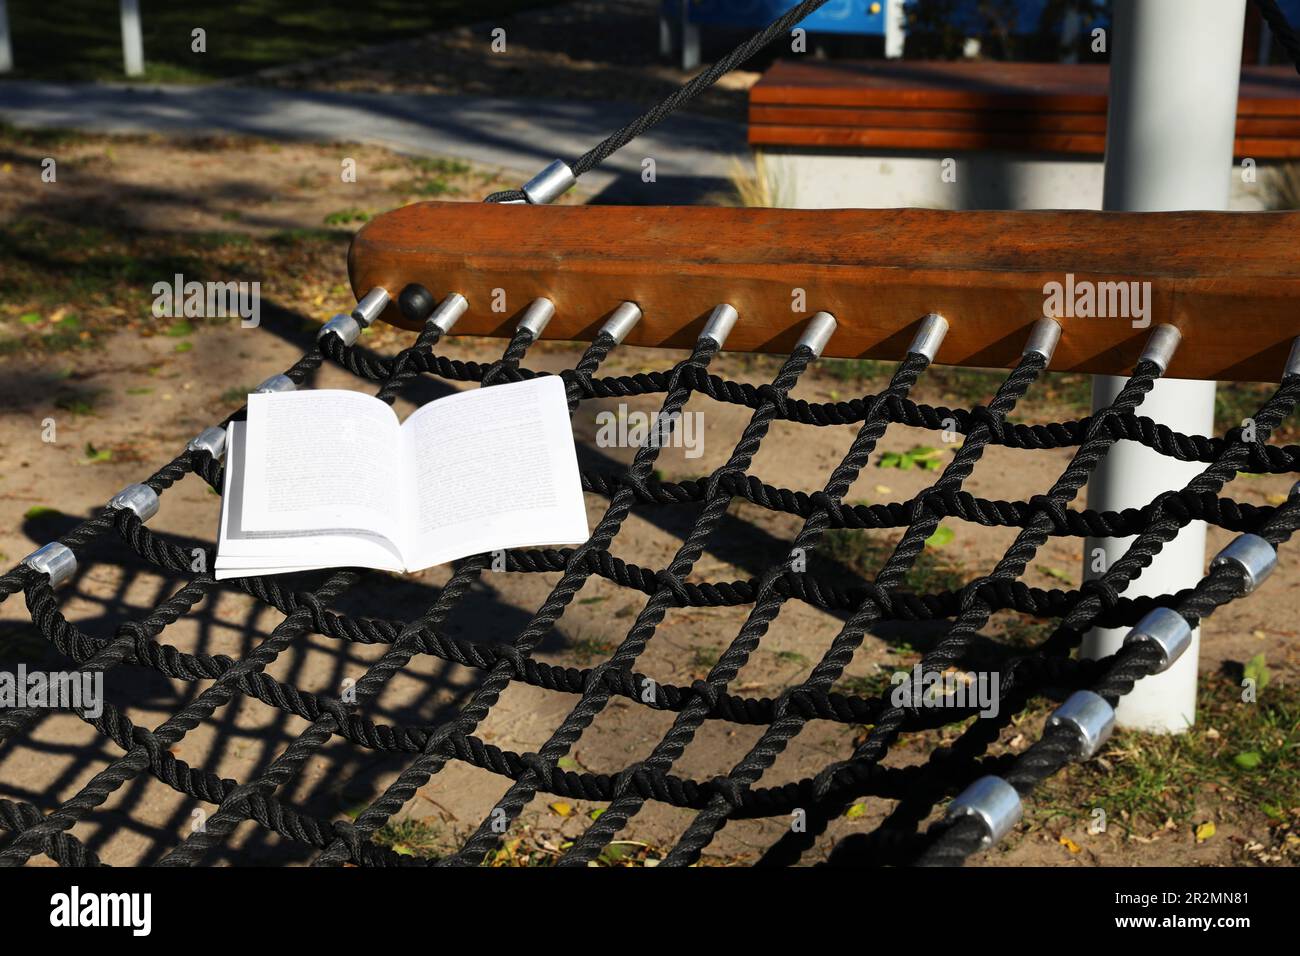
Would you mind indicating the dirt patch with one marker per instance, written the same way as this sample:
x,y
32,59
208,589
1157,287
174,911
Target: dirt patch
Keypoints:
x,y
132,392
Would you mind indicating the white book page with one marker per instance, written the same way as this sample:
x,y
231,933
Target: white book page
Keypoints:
x,y
324,460
491,468
241,552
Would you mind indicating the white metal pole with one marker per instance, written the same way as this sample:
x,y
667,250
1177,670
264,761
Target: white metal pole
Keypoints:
x,y
1175,67
132,38
895,29
6,48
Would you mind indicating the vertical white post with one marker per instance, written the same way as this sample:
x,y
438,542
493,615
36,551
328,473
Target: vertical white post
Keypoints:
x,y
1175,68
895,29
665,34
1071,24
690,37
6,48
132,38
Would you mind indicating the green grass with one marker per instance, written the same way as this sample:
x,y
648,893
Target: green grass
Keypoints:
x,y
865,555
587,649
1238,754
80,40
410,838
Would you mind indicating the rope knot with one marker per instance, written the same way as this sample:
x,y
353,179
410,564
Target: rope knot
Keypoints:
x,y
666,579
983,415
730,791
710,693
539,765
879,596
970,594
1105,593
625,779
831,505
346,832
1054,509
775,397
509,652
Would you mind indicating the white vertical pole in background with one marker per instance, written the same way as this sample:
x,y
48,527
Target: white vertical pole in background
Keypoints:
x,y
895,29
132,38
1175,67
6,47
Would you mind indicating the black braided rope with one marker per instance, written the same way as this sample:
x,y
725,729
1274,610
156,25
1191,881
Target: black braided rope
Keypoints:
x,y
137,642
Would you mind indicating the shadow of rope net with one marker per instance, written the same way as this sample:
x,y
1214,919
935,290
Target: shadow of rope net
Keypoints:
x,y
426,748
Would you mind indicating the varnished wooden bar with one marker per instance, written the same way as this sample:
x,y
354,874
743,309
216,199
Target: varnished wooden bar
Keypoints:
x,y
1229,281
960,106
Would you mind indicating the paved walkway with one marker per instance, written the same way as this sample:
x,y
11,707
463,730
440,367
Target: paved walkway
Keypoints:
x,y
693,154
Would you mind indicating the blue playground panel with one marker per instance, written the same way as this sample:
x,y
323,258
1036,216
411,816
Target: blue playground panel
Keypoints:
x,y
860,17
863,17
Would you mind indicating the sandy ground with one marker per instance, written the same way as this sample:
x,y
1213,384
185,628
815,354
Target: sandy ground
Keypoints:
x,y
142,399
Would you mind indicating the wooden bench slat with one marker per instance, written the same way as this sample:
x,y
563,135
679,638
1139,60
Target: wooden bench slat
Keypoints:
x,y
1083,144
988,86
1230,281
1003,120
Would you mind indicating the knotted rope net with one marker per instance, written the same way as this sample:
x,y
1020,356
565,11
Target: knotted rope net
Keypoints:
x,y
916,790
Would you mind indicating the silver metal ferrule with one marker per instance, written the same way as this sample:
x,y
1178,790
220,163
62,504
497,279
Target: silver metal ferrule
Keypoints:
x,y
1043,338
55,560
139,498
1293,360
537,316
448,311
1255,556
621,321
345,327
1162,345
817,333
276,383
212,440
720,323
929,336
993,802
1167,630
550,184
1091,719
371,304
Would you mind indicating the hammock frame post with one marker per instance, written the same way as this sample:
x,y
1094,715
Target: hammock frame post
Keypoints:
x,y
1175,67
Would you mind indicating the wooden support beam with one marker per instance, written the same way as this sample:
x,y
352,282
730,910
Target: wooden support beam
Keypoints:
x,y
1229,281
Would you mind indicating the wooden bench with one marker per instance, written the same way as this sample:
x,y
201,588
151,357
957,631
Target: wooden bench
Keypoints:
x,y
1007,135
1024,107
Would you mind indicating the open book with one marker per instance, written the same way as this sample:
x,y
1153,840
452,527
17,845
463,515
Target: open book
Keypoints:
x,y
328,478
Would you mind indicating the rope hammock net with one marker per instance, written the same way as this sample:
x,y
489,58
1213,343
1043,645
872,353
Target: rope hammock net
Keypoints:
x,y
987,790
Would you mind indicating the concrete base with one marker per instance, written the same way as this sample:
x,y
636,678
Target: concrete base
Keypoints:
x,y
838,179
